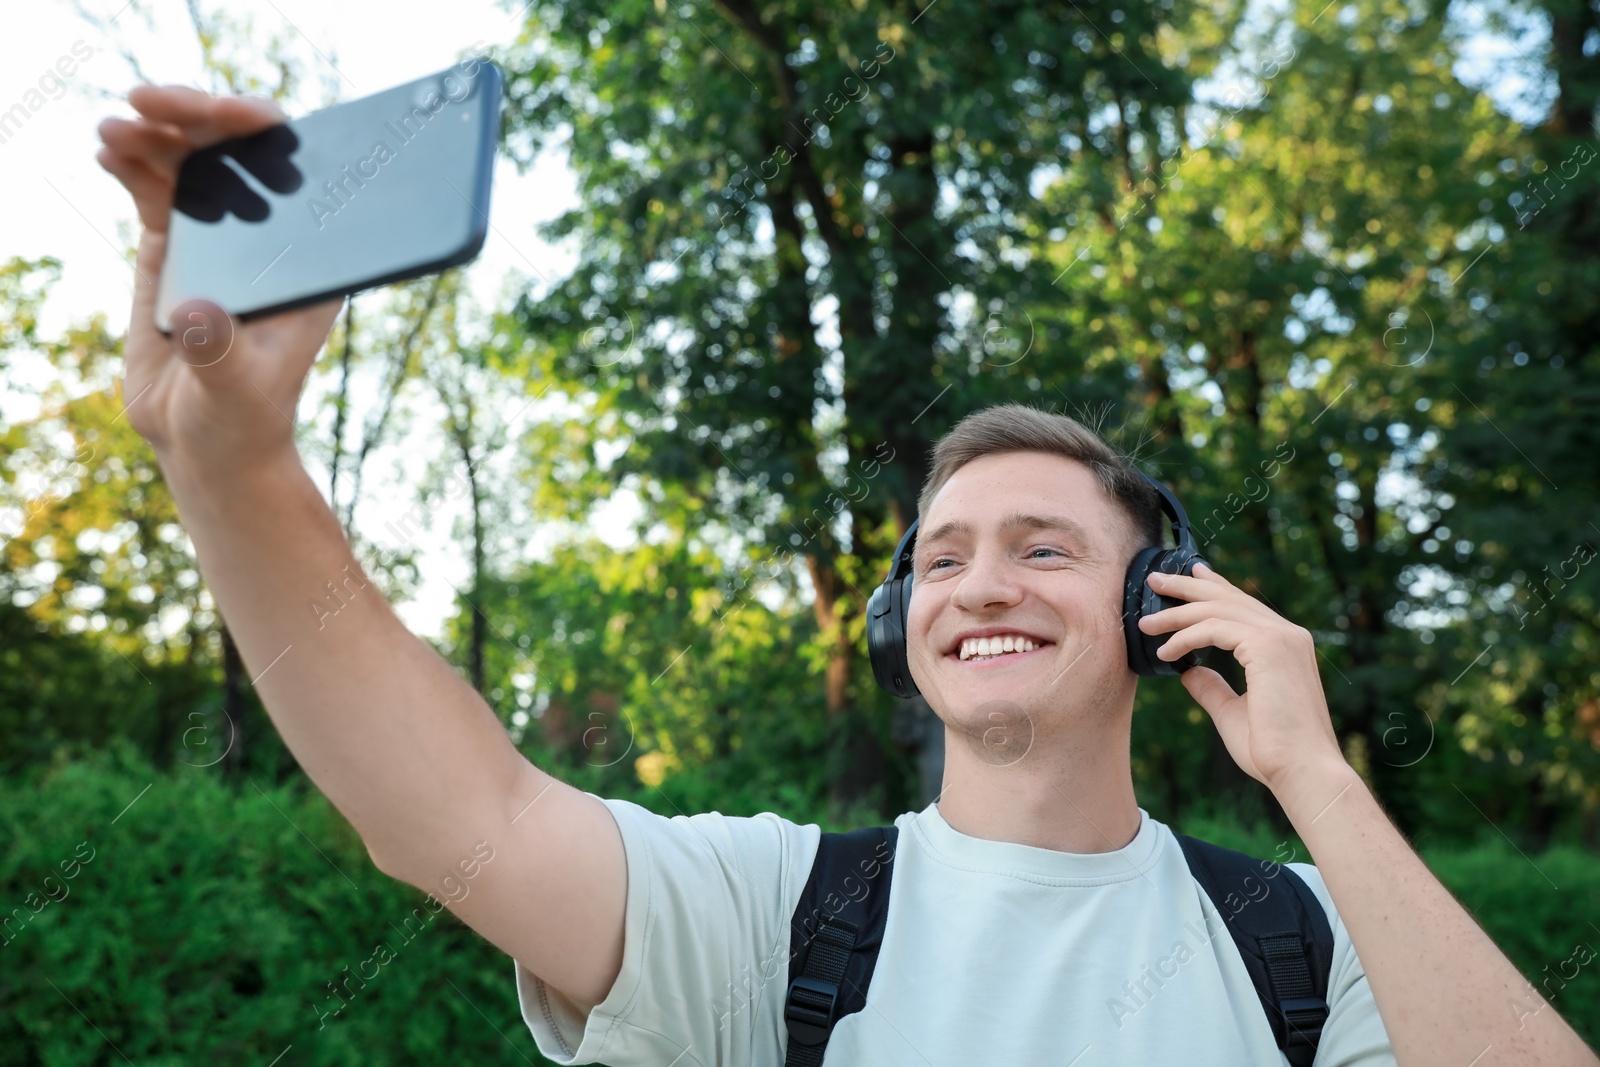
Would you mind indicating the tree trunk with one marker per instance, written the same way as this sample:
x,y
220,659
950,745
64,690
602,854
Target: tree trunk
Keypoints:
x,y
824,608
341,405
398,373
478,635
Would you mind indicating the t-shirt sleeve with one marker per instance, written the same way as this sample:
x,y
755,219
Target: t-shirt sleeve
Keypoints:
x,y
705,954
1354,1035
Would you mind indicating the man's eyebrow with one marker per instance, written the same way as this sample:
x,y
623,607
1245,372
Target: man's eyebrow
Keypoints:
x,y
1057,523
947,530
1014,521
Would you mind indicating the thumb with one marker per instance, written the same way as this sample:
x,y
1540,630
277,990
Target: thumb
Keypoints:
x,y
1209,689
203,335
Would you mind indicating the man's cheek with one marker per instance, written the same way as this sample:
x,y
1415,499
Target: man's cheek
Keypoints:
x,y
1113,624
921,657
920,650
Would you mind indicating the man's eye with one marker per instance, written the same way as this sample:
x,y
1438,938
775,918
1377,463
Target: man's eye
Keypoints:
x,y
1035,551
935,564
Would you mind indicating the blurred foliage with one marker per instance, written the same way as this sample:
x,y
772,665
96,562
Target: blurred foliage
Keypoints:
x,y
193,920
211,922
699,671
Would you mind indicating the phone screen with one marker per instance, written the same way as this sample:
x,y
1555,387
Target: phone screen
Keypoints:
x,y
391,186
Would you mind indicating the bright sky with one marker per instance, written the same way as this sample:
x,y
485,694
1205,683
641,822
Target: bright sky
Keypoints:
x,y
61,203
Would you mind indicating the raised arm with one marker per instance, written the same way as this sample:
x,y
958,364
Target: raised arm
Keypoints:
x,y
399,743
1445,991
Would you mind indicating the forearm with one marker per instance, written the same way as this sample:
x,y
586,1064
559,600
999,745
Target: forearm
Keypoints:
x,y
1446,993
399,743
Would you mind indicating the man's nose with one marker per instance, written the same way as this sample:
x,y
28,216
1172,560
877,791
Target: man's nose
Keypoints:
x,y
989,582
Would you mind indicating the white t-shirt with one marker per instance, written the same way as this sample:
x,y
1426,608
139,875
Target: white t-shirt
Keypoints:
x,y
994,953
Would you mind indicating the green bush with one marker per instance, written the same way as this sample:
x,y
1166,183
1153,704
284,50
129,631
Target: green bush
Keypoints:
x,y
203,922
209,923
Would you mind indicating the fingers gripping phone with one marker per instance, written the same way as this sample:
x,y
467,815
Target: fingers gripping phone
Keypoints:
x,y
377,190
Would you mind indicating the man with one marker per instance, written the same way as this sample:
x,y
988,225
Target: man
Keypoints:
x,y
1037,915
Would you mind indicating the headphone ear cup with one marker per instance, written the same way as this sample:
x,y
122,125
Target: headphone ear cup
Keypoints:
x,y
1139,600
878,634
1134,589
887,611
902,648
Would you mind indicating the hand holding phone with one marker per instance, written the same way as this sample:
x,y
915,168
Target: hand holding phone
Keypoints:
x,y
216,393
249,216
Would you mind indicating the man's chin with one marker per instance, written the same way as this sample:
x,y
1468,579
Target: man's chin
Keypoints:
x,y
968,688
997,725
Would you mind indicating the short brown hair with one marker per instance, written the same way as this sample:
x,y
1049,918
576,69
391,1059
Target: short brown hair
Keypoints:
x,y
1018,428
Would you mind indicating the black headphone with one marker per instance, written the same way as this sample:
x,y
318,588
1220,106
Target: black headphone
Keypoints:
x,y
890,605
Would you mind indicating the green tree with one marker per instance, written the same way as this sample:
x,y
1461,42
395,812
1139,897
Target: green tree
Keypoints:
x,y
1517,421
628,672
106,622
1258,291
798,224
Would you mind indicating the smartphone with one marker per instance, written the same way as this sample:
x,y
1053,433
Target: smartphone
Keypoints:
x,y
377,190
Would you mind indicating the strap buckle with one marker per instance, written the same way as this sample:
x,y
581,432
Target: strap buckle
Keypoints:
x,y
1305,1017
809,1009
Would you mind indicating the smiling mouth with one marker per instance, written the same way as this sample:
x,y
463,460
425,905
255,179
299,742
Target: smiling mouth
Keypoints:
x,y
994,651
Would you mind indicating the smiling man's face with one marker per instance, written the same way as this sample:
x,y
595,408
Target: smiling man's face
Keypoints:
x,y
1023,546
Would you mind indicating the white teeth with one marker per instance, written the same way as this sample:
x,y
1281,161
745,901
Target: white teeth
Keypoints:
x,y
990,647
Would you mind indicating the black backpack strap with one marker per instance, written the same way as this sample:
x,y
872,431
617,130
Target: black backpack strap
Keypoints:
x,y
1282,933
834,937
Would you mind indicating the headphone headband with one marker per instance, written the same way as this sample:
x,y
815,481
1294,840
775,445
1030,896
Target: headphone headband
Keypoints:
x,y
1182,535
900,566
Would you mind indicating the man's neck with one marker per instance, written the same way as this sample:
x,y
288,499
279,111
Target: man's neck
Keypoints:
x,y
1065,797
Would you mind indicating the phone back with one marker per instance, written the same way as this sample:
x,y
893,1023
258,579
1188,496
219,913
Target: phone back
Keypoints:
x,y
391,186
